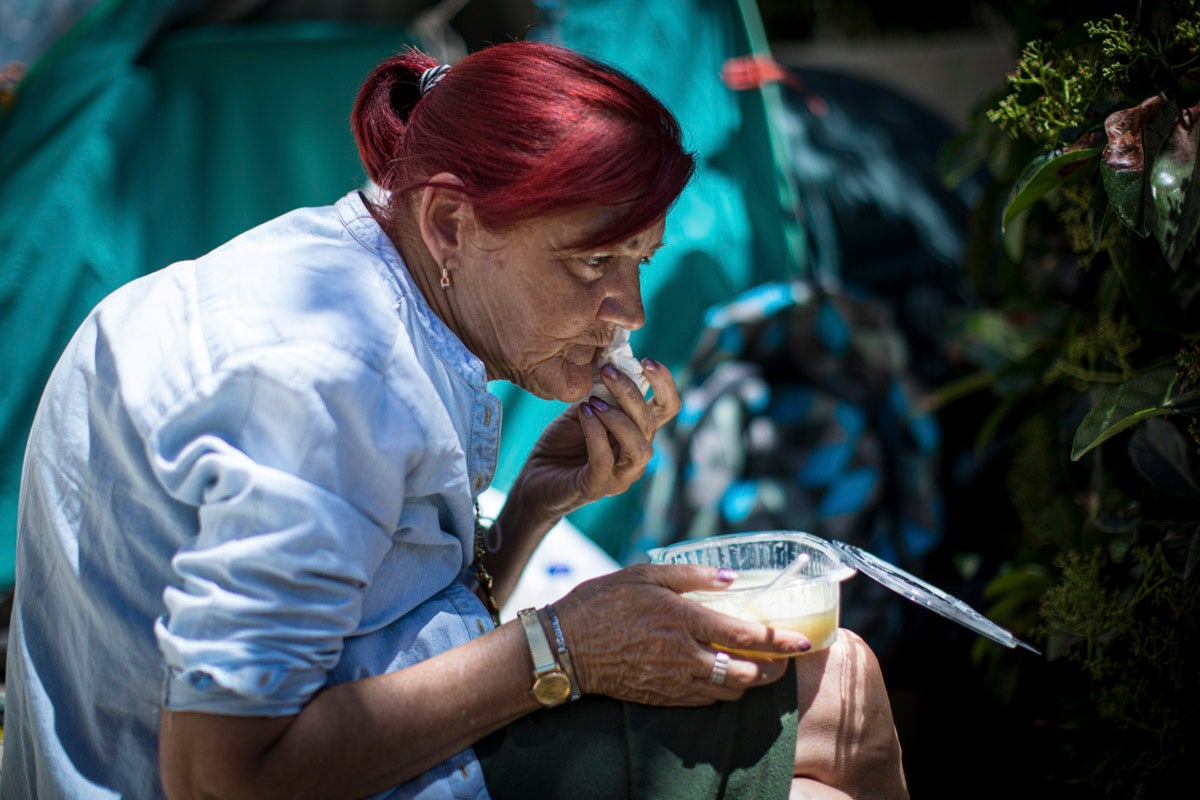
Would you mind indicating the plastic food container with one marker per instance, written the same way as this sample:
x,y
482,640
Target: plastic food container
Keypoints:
x,y
809,603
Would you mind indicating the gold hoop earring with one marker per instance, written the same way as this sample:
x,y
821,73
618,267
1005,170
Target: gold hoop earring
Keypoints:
x,y
445,277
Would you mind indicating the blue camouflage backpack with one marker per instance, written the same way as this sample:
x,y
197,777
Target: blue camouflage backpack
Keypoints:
x,y
800,412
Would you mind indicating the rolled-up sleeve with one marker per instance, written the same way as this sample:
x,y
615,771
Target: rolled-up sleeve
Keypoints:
x,y
292,492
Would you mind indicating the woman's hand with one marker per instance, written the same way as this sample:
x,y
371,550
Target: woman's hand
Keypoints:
x,y
632,637
592,450
596,449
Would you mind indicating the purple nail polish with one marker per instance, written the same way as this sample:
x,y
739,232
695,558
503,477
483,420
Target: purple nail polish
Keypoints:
x,y
610,371
587,410
598,404
726,575
650,364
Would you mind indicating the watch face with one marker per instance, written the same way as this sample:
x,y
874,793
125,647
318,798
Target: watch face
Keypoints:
x,y
552,688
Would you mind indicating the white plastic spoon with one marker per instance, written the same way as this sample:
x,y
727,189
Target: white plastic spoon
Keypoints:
x,y
790,571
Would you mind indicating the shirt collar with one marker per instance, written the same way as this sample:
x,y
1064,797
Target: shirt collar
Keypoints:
x,y
357,218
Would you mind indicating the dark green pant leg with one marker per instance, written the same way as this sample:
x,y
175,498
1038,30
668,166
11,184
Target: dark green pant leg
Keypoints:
x,y
574,751
606,749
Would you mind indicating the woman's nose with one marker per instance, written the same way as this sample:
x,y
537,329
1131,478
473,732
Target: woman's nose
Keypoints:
x,y
623,303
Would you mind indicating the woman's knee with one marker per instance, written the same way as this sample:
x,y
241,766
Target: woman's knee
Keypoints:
x,y
846,734
847,669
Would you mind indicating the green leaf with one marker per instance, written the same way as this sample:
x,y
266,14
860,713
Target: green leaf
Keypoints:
x,y
1127,404
1181,549
1162,455
1135,137
1100,216
1040,176
1027,581
1157,128
992,340
1186,403
1012,237
1176,199
958,159
1059,644
1125,193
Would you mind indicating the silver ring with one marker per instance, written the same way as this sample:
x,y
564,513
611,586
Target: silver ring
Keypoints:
x,y
720,668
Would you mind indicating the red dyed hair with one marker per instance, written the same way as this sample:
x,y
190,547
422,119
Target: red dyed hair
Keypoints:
x,y
531,129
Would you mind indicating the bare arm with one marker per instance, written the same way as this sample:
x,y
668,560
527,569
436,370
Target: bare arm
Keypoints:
x,y
359,738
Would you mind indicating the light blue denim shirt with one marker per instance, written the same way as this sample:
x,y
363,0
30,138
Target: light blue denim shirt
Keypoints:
x,y
250,476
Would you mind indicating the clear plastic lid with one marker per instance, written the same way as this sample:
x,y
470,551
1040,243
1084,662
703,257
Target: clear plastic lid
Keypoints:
x,y
931,597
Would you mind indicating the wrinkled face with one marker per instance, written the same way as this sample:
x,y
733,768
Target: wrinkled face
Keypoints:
x,y
535,309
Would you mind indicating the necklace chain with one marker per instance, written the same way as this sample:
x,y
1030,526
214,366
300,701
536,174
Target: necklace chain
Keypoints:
x,y
484,577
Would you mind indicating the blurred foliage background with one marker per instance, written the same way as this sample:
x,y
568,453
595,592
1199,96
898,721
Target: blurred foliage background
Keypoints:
x,y
1072,441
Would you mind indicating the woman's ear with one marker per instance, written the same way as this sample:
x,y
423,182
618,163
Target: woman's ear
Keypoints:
x,y
444,215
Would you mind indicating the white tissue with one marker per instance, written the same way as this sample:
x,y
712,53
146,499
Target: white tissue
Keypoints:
x,y
621,356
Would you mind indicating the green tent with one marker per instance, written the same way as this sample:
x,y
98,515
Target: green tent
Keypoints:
x,y
134,142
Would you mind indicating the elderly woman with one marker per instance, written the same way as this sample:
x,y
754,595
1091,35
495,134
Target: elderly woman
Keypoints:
x,y
249,559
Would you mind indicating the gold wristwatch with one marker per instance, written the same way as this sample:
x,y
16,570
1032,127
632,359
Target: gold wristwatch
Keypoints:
x,y
551,684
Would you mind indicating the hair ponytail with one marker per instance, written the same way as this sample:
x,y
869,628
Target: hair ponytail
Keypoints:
x,y
383,109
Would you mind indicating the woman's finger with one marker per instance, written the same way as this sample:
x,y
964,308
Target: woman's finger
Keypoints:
x,y
736,672
629,399
600,456
633,448
754,637
665,402
652,414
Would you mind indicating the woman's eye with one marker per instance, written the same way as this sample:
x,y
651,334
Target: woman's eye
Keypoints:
x,y
605,261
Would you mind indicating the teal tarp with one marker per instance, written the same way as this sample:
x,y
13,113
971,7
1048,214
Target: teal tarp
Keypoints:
x,y
131,147
112,165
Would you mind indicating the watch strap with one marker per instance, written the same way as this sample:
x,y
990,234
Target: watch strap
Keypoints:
x,y
539,646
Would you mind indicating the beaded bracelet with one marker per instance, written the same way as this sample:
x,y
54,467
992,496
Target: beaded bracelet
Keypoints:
x,y
564,656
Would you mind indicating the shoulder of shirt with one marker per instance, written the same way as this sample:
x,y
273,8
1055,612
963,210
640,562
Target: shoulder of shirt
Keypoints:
x,y
294,300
